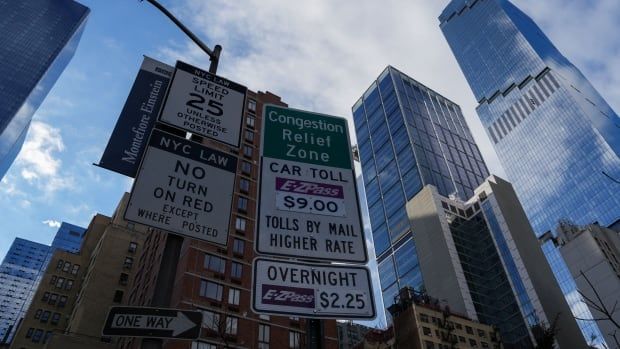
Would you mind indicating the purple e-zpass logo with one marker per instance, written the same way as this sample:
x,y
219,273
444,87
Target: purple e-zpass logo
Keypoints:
x,y
288,296
309,188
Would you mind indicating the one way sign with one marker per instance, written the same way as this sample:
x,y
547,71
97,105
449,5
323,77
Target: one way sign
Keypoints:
x,y
153,322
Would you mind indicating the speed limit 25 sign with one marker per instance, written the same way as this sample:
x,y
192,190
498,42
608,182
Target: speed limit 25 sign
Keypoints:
x,y
205,104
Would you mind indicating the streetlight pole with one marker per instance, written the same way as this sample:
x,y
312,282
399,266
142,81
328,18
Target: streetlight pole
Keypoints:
x,y
214,55
165,282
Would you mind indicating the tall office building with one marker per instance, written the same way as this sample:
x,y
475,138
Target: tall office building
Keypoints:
x,y
19,275
553,132
69,237
409,136
555,136
39,38
481,257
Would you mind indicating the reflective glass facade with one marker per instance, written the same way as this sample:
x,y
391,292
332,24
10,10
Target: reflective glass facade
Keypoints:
x,y
39,38
69,238
555,136
409,136
19,277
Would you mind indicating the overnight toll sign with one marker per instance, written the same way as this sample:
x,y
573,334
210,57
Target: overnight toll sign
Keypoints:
x,y
312,290
185,188
205,104
308,196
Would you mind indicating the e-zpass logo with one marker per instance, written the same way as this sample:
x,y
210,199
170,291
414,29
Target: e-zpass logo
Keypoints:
x,y
288,296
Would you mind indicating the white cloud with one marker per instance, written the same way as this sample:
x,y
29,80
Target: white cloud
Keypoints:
x,y
37,157
52,223
25,203
39,163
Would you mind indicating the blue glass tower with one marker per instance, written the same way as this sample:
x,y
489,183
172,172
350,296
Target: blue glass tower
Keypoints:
x,y
69,238
19,276
39,38
556,137
409,136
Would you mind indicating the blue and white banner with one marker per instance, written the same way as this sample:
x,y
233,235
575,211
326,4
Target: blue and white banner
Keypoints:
x,y
131,133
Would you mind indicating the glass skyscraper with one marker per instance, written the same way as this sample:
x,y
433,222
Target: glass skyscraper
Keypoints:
x,y
409,136
19,276
39,38
69,238
556,137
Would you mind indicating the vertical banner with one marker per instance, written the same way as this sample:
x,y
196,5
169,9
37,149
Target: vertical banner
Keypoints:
x,y
131,133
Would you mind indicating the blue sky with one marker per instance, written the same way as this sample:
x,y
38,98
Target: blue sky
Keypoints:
x,y
317,55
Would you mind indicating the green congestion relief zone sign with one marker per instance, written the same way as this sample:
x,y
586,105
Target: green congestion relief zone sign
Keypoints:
x,y
291,134
308,204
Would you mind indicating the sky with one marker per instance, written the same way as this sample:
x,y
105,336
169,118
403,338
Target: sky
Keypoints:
x,y
317,55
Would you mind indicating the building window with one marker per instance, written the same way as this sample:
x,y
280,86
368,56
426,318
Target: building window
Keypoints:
x,y
60,264
244,185
242,204
246,168
36,337
473,343
424,318
46,296
263,336
37,314
294,340
238,247
132,247
62,301
211,290
240,224
60,282
250,121
66,267
215,263
53,279
231,325
469,330
53,299
248,151
118,296
29,332
429,345
210,320
69,285
481,333
202,345
75,269
128,263
236,270
55,318
459,327
461,339
124,279
47,337
427,331
45,316
252,105
484,344
249,136
233,296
